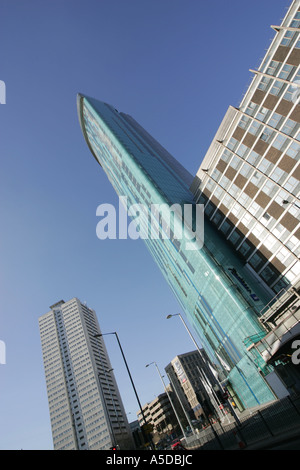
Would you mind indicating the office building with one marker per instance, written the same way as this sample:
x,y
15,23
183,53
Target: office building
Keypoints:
x,y
249,183
160,415
194,382
86,410
220,295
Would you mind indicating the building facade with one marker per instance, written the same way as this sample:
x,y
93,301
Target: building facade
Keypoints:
x,y
86,410
160,416
249,183
194,383
249,180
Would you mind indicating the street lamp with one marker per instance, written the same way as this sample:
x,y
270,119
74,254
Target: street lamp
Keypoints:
x,y
177,417
182,406
290,202
203,379
129,374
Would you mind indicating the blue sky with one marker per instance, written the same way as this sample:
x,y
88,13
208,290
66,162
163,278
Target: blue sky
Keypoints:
x,y
175,66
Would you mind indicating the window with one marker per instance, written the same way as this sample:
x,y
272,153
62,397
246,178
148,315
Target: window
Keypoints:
x,y
258,230
226,155
216,174
292,243
278,175
245,249
289,92
273,67
209,209
265,166
269,274
270,242
275,120
244,199
279,231
294,271
277,87
294,151
246,170
232,143
266,216
226,227
217,217
282,254
257,261
254,208
247,219
267,134
224,182
235,237
292,185
255,128
244,122
218,192
286,71
295,24
210,184
227,201
253,158
237,210
235,162
280,142
242,150
288,38
263,84
257,179
252,107
263,114
290,127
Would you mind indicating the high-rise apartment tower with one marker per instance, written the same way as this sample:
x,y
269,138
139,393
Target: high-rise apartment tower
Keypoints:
x,y
86,410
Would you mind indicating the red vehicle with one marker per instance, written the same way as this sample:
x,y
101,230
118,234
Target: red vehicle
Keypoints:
x,y
177,445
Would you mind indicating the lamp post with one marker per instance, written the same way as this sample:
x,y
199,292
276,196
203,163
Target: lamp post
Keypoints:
x,y
177,417
182,406
204,361
130,377
285,202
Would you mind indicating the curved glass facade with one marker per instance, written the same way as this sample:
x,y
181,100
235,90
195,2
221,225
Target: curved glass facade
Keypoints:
x,y
221,300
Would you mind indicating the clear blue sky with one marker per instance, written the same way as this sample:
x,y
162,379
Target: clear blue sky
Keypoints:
x,y
175,66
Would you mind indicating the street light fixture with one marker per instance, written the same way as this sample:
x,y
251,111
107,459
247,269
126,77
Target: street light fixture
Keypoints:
x,y
165,388
203,379
290,202
181,404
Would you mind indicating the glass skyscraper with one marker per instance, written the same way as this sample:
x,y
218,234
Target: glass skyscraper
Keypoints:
x,y
221,300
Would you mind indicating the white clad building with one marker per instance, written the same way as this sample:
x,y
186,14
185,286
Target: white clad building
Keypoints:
x,y
86,410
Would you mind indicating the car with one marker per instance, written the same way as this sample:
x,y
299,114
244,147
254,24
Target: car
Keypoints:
x,y
177,445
